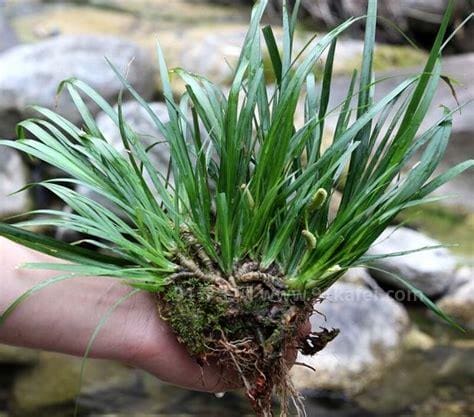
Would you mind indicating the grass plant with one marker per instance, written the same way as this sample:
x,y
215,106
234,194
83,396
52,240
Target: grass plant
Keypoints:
x,y
240,245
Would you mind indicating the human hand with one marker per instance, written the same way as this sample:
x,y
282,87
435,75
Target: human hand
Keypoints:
x,y
63,316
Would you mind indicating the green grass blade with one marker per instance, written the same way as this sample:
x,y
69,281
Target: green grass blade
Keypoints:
x,y
57,248
274,53
421,296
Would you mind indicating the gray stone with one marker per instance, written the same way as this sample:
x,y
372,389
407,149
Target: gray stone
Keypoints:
x,y
431,271
361,277
30,74
12,355
215,54
463,275
460,304
13,176
372,327
417,340
8,37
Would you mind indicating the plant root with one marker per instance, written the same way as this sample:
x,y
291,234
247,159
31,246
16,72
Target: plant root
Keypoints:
x,y
248,321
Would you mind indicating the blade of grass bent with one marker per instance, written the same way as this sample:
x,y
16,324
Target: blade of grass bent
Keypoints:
x,y
95,333
56,248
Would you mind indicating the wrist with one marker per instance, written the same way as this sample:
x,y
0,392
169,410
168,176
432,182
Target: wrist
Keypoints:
x,y
136,326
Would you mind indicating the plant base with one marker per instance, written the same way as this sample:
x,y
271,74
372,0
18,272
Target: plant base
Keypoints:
x,y
247,321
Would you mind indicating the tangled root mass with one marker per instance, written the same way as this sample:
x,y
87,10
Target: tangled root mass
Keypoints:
x,y
248,321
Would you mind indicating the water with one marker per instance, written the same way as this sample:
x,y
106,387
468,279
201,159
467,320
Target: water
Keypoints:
x,y
437,382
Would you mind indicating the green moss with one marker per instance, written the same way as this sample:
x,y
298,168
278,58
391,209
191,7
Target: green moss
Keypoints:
x,y
449,226
200,313
195,313
388,57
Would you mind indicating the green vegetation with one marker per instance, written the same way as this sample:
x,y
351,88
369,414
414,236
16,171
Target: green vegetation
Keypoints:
x,y
249,203
263,190
194,314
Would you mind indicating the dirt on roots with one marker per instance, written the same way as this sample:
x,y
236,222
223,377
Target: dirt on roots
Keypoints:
x,y
247,321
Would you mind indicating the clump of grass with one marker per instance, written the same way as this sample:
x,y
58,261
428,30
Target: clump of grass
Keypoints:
x,y
244,228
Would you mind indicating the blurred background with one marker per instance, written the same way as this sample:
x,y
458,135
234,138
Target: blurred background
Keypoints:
x,y
392,358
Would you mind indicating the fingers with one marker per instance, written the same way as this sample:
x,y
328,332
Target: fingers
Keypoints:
x,y
161,354
173,364
155,349
179,368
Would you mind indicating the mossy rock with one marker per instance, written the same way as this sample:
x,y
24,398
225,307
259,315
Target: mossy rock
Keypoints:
x,y
449,225
54,383
388,57
10,355
180,11
349,57
191,44
73,20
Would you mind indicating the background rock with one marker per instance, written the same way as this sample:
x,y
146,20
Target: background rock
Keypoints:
x,y
361,277
10,355
431,271
13,176
54,382
424,16
372,327
7,35
177,11
30,74
460,304
418,340
464,275
419,19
